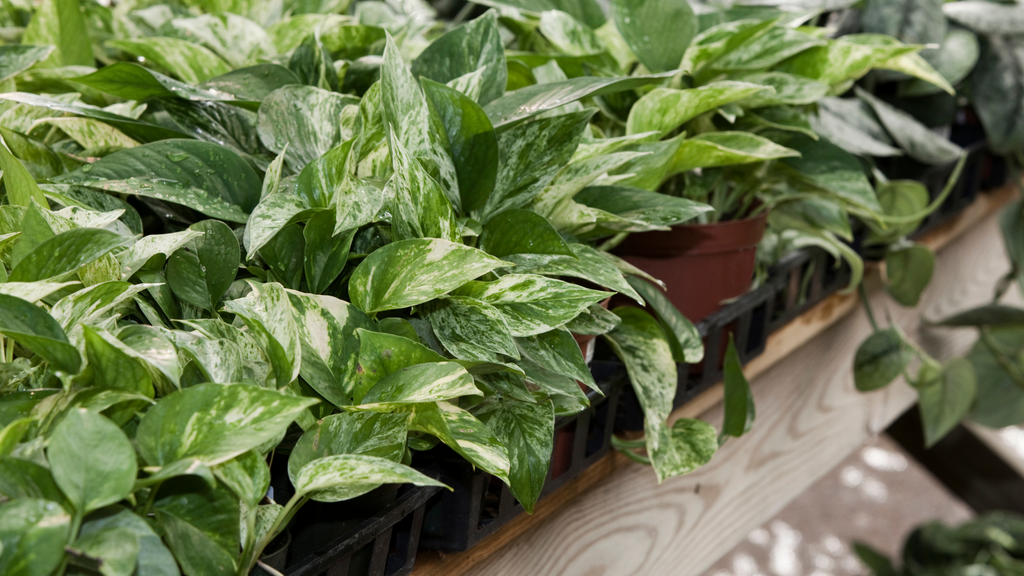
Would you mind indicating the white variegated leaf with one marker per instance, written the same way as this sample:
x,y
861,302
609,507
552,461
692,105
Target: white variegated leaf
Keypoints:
x,y
343,477
532,304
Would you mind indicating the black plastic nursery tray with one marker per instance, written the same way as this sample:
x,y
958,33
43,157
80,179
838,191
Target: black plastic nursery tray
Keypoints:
x,y
384,544
481,503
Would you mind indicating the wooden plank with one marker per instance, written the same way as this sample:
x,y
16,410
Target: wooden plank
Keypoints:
x,y
808,422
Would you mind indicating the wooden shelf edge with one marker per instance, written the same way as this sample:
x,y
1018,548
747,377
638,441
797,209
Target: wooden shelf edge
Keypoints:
x,y
779,345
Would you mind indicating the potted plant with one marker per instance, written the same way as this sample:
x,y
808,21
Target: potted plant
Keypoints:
x,y
176,237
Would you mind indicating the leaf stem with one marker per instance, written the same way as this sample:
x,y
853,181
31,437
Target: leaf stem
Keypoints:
x,y
282,520
626,447
151,498
867,306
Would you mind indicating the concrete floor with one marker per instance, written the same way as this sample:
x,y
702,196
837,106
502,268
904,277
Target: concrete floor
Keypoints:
x,y
876,496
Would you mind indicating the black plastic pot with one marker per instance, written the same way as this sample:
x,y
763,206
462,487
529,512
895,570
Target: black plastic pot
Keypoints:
x,y
383,544
481,503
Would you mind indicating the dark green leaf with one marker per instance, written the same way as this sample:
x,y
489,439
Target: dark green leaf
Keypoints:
x,y
914,138
133,82
880,359
36,330
21,187
739,401
522,232
989,315
201,271
945,402
203,176
910,21
998,92
987,17
472,143
658,32
909,269
200,524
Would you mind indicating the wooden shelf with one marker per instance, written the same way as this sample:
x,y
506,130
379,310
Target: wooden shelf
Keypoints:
x,y
614,519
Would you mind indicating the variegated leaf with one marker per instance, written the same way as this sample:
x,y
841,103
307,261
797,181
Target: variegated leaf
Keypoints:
x,y
343,477
382,354
557,351
91,134
189,62
532,304
470,329
527,431
375,434
330,345
429,382
405,112
465,434
214,423
589,264
533,100
98,306
641,345
303,118
33,291
526,169
268,314
415,271
418,205
136,256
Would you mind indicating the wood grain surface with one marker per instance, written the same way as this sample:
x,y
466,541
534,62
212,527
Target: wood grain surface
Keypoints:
x,y
615,520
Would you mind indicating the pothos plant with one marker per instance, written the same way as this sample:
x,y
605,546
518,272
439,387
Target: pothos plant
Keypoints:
x,y
987,385
989,544
196,257
732,128
900,125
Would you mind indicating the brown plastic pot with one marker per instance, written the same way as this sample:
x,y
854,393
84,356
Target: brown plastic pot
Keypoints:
x,y
700,264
